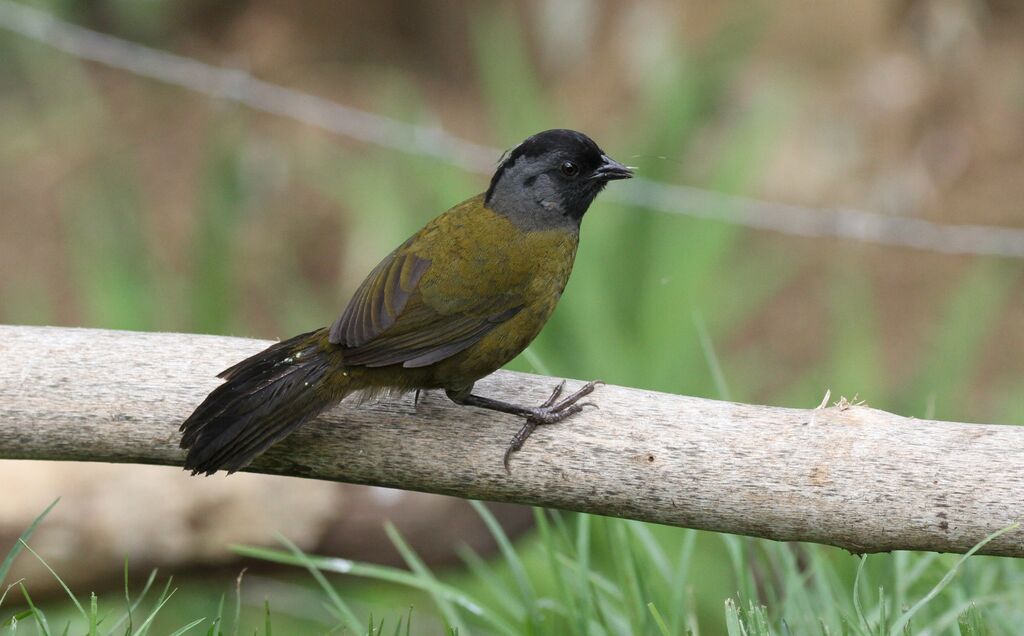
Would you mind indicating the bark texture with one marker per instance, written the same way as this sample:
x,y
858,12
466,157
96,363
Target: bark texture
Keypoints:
x,y
849,476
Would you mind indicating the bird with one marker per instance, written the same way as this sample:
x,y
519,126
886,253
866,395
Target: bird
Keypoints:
x,y
452,304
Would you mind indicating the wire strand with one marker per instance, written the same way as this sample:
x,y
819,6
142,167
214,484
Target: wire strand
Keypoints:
x,y
433,141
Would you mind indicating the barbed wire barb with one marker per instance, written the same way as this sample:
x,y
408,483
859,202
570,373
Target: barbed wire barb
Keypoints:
x,y
239,86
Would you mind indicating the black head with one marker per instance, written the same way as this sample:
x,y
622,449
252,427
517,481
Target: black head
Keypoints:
x,y
551,179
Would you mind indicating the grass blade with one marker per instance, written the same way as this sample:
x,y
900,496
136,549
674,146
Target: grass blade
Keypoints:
x,y
658,620
5,567
238,600
340,606
582,560
708,349
420,569
551,551
856,594
182,630
515,564
496,586
93,615
81,610
37,614
132,605
379,573
904,620
8,589
146,624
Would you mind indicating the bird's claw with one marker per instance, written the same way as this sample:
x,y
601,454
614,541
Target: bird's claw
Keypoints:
x,y
550,412
517,442
554,395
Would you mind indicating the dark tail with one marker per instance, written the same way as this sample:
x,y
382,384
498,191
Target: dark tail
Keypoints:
x,y
264,398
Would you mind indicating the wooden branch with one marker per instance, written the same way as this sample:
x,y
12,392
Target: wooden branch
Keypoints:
x,y
853,477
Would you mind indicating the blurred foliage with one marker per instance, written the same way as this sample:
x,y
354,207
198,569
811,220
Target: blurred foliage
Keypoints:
x,y
656,301
580,575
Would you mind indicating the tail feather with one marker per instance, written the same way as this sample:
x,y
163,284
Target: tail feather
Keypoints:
x,y
263,399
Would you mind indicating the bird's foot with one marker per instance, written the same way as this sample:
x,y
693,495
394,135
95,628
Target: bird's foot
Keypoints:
x,y
550,412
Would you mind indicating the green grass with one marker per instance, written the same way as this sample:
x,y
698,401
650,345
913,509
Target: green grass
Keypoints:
x,y
569,580
656,301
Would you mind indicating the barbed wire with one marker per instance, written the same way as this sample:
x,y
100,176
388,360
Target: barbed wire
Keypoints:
x,y
433,141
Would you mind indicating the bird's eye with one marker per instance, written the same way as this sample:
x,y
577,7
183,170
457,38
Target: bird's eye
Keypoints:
x,y
569,169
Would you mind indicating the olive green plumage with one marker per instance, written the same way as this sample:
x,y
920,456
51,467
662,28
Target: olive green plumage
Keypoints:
x,y
455,302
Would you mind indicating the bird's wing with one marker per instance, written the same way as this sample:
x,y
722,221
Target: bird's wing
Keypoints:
x,y
426,301
377,303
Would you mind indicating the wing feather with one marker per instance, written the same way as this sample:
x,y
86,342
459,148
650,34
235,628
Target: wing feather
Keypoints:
x,y
431,342
388,321
415,311
378,302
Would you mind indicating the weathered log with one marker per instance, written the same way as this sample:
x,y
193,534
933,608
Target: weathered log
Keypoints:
x,y
849,476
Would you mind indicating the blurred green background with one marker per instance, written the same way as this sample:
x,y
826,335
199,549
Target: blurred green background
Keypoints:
x,y
130,204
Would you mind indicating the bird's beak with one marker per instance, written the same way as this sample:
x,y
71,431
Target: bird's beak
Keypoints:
x,y
610,170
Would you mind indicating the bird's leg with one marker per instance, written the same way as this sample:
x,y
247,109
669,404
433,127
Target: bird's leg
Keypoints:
x,y
551,411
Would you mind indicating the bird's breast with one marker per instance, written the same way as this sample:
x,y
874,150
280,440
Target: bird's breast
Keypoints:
x,y
528,268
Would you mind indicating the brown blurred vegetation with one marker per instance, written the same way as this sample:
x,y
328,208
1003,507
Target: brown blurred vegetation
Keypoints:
x,y
913,108
907,108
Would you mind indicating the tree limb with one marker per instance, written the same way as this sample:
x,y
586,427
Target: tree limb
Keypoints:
x,y
850,476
